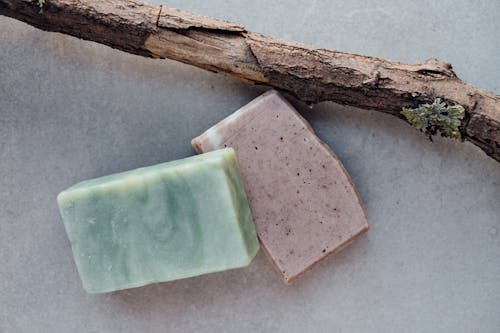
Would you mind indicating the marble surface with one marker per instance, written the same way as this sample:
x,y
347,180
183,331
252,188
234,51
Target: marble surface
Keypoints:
x,y
72,110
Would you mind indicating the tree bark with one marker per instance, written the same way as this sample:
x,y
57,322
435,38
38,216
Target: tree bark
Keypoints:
x,y
311,74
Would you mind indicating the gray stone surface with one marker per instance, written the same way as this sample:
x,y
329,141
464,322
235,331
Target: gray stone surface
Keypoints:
x,y
71,110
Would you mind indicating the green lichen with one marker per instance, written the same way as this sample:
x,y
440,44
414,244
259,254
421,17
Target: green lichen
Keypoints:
x,y
436,117
40,4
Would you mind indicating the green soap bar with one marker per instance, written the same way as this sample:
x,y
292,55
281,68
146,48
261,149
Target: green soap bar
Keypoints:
x,y
160,223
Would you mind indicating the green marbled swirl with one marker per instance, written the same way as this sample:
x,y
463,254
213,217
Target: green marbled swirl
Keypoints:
x,y
160,223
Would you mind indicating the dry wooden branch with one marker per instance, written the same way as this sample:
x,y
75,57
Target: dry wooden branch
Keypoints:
x,y
311,74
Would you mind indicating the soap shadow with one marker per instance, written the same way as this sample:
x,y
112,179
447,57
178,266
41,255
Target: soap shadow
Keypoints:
x,y
256,284
175,298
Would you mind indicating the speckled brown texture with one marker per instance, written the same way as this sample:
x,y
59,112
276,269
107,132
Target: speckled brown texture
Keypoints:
x,y
304,203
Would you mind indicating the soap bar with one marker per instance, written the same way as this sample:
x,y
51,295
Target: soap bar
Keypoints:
x,y
160,223
304,203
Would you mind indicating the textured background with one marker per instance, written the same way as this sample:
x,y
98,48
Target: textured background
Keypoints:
x,y
71,110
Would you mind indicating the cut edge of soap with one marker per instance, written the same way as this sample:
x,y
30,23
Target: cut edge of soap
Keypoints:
x,y
80,187
197,145
252,244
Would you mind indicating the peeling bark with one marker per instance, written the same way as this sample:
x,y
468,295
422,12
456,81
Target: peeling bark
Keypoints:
x,y
311,74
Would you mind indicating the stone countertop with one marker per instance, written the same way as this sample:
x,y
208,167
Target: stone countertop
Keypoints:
x,y
72,110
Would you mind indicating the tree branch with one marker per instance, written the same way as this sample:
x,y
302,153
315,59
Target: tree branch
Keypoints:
x,y
311,74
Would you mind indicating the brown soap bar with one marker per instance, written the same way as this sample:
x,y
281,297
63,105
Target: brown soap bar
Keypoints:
x,y
304,203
